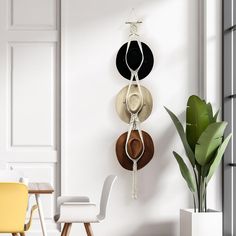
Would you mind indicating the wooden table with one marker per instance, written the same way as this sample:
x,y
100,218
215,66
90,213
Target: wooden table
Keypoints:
x,y
37,189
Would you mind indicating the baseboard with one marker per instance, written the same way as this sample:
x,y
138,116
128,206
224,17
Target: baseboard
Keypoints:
x,y
39,233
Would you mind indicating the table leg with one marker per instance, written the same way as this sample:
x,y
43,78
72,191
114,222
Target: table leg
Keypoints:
x,y
41,216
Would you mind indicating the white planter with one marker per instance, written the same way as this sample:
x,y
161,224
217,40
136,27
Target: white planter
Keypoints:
x,y
200,223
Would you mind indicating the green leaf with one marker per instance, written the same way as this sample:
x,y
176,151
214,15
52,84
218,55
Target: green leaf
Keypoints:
x,y
197,119
210,112
209,141
185,172
182,135
217,160
215,116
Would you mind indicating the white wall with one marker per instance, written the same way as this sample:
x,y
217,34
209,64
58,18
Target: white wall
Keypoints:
x,y
92,32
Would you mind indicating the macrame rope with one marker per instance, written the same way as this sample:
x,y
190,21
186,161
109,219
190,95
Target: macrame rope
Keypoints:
x,y
134,73
134,182
134,124
134,120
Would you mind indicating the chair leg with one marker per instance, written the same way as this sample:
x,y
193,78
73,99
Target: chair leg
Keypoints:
x,y
63,233
66,229
22,234
88,229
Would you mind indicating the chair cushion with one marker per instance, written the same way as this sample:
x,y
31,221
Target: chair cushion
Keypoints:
x,y
75,212
62,199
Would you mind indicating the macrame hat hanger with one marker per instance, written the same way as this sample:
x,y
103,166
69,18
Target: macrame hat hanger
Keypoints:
x,y
134,149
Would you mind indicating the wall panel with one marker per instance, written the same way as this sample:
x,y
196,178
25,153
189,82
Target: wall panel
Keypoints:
x,y
32,14
32,95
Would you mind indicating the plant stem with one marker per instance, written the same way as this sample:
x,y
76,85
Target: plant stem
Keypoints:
x,y
202,186
200,196
199,190
194,202
205,196
197,184
195,174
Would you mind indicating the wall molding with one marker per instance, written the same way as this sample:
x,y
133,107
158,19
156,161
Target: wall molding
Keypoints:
x,y
209,50
63,99
15,26
202,48
52,144
27,156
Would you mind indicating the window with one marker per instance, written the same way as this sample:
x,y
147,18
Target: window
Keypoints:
x,y
229,115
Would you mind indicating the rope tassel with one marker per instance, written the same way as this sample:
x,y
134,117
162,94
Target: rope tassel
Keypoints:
x,y
134,181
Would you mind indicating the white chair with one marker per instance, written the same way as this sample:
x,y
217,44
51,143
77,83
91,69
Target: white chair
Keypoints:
x,y
80,210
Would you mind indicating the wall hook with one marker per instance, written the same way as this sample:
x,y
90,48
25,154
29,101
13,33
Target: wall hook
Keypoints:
x,y
133,22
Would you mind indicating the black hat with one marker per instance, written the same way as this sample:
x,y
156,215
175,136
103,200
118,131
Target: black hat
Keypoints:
x,y
134,58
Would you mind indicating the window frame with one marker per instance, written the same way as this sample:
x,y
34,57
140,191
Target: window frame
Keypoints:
x,y
229,113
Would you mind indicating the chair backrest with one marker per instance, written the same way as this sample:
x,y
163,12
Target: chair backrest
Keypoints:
x,y
13,207
106,190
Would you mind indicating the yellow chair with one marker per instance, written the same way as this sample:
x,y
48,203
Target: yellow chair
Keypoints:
x,y
13,208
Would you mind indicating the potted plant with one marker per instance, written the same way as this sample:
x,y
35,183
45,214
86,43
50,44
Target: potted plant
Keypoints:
x,y
204,147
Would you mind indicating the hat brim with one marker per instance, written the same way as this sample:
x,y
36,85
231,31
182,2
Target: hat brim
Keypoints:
x,y
121,107
147,156
134,58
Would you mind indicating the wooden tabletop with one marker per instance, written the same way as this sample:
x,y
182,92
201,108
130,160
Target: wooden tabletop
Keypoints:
x,y
40,188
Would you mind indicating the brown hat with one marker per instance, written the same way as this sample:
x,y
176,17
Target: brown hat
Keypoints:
x,y
134,149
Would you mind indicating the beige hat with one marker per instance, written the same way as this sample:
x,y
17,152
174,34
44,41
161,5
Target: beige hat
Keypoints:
x,y
135,103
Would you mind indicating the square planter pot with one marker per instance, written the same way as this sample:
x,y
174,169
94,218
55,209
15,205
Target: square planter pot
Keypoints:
x,y
200,223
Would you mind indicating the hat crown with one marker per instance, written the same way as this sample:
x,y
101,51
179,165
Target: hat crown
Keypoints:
x,y
134,56
134,102
135,147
